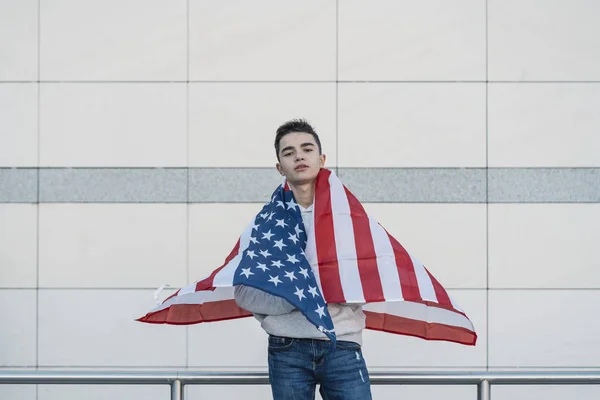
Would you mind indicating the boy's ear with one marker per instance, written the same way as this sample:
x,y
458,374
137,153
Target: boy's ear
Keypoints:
x,y
279,168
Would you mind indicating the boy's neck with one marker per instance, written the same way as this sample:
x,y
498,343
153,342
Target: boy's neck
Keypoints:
x,y
304,193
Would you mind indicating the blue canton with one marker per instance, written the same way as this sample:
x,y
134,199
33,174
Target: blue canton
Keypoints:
x,y
274,260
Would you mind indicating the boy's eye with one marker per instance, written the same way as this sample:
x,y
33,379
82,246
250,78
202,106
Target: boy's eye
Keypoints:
x,y
287,154
307,150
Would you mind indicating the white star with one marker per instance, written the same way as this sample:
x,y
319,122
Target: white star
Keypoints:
x,y
246,271
254,226
265,215
275,280
321,311
298,230
280,204
270,216
290,274
313,291
253,240
276,263
293,238
250,253
291,204
300,293
292,259
279,244
262,266
273,199
268,235
281,223
304,272
265,253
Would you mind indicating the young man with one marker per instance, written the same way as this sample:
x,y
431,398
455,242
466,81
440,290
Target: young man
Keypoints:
x,y
299,355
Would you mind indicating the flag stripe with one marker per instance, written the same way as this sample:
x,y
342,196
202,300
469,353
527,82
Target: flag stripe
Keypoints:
x,y
325,240
365,251
425,284
207,283
440,293
386,263
345,244
408,278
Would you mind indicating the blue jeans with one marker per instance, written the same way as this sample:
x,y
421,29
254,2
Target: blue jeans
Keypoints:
x,y
297,365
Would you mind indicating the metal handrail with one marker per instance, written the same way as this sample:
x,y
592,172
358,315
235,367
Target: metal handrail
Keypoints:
x,y
177,380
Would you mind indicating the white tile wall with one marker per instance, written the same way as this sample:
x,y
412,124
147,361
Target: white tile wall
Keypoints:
x,y
213,232
103,392
18,124
19,40
544,328
412,40
18,392
234,124
236,344
533,40
449,239
263,40
114,40
92,328
411,125
246,392
544,245
18,333
544,125
112,245
18,238
387,351
113,125
546,392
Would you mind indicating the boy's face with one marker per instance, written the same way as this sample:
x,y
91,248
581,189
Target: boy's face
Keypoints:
x,y
299,159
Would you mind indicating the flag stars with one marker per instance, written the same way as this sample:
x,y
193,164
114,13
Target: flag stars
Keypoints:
x,y
251,254
265,253
298,230
246,272
293,238
292,258
313,291
321,311
280,204
276,263
304,271
279,244
275,280
262,266
281,223
291,204
268,235
270,216
290,274
300,293
253,240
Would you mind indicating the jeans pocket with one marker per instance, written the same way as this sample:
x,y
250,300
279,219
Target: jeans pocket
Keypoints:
x,y
278,343
345,345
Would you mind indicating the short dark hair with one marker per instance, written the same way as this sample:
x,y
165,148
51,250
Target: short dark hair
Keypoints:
x,y
295,125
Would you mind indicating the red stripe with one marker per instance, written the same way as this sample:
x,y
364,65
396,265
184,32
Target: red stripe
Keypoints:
x,y
325,240
406,271
424,330
440,292
365,251
186,314
207,284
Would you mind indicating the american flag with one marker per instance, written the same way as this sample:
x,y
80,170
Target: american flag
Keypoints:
x,y
348,257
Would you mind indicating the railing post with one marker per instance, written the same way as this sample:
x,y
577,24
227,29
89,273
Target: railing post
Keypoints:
x,y
176,390
483,390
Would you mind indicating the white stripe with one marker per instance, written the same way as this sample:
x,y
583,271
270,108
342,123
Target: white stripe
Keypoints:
x,y
423,280
225,276
201,297
310,251
344,242
421,312
386,262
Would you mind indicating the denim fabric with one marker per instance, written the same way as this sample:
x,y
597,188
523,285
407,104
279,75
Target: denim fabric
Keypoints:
x,y
296,366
